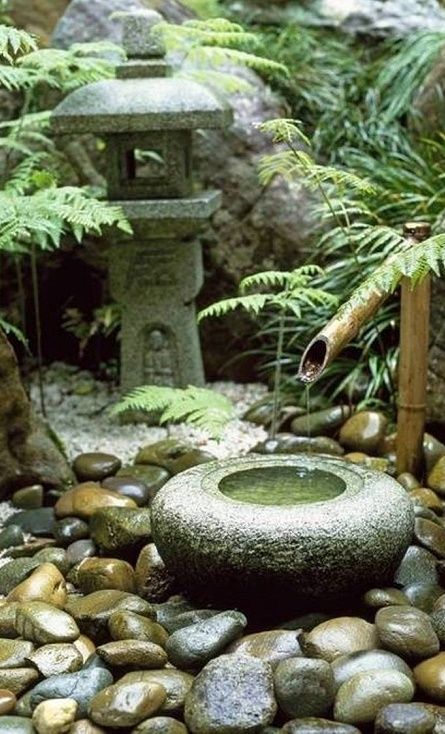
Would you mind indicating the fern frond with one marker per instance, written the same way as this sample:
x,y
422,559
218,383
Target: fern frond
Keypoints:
x,y
68,69
201,407
253,304
285,131
267,279
220,80
11,330
14,41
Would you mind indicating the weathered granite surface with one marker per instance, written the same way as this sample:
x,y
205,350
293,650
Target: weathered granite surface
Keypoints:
x,y
224,549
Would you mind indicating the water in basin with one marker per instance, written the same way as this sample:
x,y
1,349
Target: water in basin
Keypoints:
x,y
281,485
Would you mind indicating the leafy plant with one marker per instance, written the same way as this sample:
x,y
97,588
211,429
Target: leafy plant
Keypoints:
x,y
105,320
197,406
289,292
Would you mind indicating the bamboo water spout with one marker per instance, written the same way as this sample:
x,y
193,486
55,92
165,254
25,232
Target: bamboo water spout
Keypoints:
x,y
413,363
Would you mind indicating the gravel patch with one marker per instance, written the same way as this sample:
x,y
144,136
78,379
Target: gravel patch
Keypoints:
x,y
78,410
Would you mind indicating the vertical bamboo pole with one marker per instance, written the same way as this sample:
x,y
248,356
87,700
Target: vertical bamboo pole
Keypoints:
x,y
413,363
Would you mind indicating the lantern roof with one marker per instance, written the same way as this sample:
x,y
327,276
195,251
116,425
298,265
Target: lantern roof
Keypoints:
x,y
142,98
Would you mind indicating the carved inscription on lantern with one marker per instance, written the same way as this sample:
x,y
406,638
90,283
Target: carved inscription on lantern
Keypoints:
x,y
160,361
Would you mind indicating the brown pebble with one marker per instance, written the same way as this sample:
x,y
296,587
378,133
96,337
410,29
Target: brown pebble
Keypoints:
x,y
7,701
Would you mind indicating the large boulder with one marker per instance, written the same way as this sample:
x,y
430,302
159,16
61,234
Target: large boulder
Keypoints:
x,y
28,453
382,18
38,17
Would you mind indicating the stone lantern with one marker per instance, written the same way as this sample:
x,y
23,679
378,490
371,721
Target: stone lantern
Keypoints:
x,y
147,119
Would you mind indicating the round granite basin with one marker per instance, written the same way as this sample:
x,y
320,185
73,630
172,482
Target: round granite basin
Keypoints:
x,y
305,527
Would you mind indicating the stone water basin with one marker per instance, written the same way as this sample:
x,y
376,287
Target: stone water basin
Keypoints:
x,y
304,527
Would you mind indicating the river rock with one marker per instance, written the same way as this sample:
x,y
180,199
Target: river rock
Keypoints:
x,y
7,702
81,686
313,725
79,550
232,693
93,611
404,718
8,612
430,677
185,619
377,598
85,646
138,491
436,477
288,443
423,596
160,725
11,536
54,716
70,529
152,477
428,499
360,699
17,725
173,455
153,581
407,631
14,572
176,683
192,647
13,653
95,466
345,667
85,726
304,687
408,481
56,556
137,654
131,626
43,623
56,659
417,564
364,431
87,498
45,584
114,529
28,498
270,646
322,422
339,636
37,522
383,18
17,680
431,536
94,574
126,704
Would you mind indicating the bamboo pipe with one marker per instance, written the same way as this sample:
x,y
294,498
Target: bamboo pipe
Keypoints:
x,y
346,324
413,365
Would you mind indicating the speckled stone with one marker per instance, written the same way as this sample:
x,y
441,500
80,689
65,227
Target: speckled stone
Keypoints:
x,y
272,646
11,536
151,477
360,699
18,680
404,718
7,619
417,565
54,716
191,523
192,647
304,687
339,636
126,704
176,683
346,666
232,693
95,466
12,573
56,556
17,725
85,726
407,631
138,654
